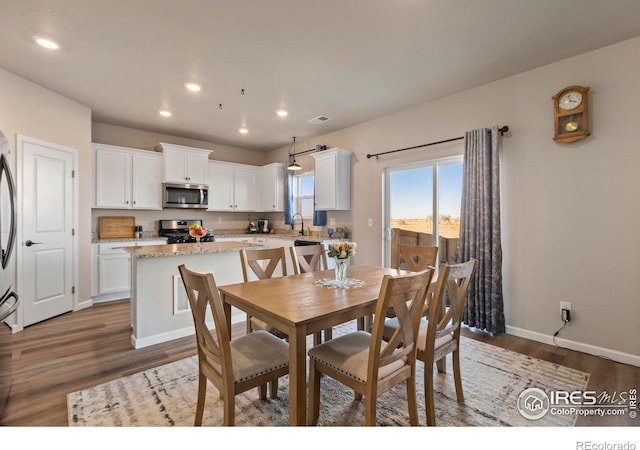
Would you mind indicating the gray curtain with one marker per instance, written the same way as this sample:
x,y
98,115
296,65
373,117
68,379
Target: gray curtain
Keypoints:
x,y
480,229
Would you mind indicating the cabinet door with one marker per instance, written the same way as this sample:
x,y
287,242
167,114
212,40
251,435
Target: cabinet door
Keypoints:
x,y
272,188
146,182
113,179
114,273
333,179
175,166
325,183
245,188
196,168
220,187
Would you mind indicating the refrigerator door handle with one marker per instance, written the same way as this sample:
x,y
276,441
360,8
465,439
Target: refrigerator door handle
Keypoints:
x,y
4,170
12,308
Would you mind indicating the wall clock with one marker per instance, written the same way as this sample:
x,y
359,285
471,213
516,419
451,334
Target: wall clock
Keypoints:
x,y
571,114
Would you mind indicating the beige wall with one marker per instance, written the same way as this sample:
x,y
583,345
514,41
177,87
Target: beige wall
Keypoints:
x,y
571,213
33,111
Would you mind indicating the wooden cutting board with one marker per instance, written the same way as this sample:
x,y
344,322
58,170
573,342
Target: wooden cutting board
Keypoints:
x,y
112,227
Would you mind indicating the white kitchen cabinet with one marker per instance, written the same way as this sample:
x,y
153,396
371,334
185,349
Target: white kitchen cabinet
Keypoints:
x,y
232,187
185,164
272,179
127,178
112,269
332,179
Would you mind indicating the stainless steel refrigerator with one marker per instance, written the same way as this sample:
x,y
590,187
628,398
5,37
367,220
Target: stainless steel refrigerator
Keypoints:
x,y
8,299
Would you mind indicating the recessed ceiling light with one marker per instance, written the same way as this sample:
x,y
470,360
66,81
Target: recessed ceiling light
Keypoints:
x,y
243,130
165,113
193,87
47,43
282,113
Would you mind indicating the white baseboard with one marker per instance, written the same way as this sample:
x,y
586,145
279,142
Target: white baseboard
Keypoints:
x,y
174,334
615,355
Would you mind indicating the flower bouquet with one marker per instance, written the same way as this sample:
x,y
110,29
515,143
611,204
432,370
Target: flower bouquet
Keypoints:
x,y
341,252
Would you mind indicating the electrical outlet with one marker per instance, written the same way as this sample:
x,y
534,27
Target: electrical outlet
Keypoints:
x,y
219,219
332,221
370,222
565,311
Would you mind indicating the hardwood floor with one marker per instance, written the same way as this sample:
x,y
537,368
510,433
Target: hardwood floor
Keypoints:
x,y
81,349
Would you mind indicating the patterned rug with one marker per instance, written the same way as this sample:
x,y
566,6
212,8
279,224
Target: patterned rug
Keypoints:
x,y
492,379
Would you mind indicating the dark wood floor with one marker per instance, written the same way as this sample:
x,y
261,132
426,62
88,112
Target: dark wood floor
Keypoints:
x,y
81,349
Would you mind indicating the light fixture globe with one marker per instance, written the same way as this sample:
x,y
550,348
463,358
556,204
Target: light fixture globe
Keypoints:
x,y
294,165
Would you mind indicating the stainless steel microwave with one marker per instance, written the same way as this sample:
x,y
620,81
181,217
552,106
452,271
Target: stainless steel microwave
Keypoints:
x,y
178,195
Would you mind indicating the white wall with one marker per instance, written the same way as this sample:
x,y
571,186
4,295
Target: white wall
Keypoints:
x,y
31,110
571,211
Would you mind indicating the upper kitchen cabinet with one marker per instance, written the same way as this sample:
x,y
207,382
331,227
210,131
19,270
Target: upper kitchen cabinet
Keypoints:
x,y
272,179
127,178
232,187
185,164
332,179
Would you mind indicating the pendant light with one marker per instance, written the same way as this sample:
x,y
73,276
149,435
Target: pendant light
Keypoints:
x,y
294,165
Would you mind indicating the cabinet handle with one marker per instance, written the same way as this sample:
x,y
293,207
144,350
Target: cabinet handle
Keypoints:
x,y
126,202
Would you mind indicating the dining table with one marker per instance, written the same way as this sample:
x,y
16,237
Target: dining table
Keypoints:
x,y
304,304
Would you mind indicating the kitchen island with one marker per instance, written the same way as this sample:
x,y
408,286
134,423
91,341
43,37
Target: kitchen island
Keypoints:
x,y
159,307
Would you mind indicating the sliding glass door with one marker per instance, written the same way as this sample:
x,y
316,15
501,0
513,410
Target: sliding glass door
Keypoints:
x,y
422,207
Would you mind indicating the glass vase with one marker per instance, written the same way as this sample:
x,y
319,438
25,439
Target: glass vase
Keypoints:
x,y
341,270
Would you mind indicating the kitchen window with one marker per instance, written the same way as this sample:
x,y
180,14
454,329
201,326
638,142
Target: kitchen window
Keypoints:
x,y
303,194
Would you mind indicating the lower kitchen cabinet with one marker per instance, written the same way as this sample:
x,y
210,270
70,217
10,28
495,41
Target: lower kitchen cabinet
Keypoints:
x,y
112,269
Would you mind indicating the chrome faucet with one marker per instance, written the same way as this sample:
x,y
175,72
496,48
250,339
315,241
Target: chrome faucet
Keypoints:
x,y
301,223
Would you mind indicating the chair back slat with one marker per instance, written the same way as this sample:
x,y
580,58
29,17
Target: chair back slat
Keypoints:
x,y
308,258
263,262
415,258
455,280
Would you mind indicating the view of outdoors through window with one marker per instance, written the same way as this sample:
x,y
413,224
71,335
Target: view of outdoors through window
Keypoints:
x,y
303,194
412,196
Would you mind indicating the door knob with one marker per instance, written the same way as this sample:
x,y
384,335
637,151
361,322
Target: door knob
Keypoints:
x,y
29,243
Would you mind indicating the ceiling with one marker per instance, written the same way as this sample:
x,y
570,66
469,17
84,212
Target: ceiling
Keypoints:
x,y
349,60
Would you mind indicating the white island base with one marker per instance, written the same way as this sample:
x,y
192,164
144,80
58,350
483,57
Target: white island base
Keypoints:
x,y
159,307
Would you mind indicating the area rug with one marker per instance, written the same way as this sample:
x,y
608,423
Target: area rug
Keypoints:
x,y
492,379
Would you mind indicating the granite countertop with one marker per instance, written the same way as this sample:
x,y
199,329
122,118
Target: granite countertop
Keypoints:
x,y
142,239
154,251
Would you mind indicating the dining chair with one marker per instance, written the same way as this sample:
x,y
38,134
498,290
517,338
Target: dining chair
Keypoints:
x,y
439,335
311,258
414,258
232,365
264,263
366,363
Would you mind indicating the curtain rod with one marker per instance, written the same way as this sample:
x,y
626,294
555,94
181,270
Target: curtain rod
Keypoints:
x,y
316,149
501,130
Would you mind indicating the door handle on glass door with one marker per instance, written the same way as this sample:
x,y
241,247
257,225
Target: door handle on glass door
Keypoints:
x,y
29,243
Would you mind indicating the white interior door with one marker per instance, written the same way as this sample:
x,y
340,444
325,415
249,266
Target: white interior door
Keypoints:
x,y
46,266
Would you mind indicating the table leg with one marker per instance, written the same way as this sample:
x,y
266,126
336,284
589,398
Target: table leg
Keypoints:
x,y
227,314
298,376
